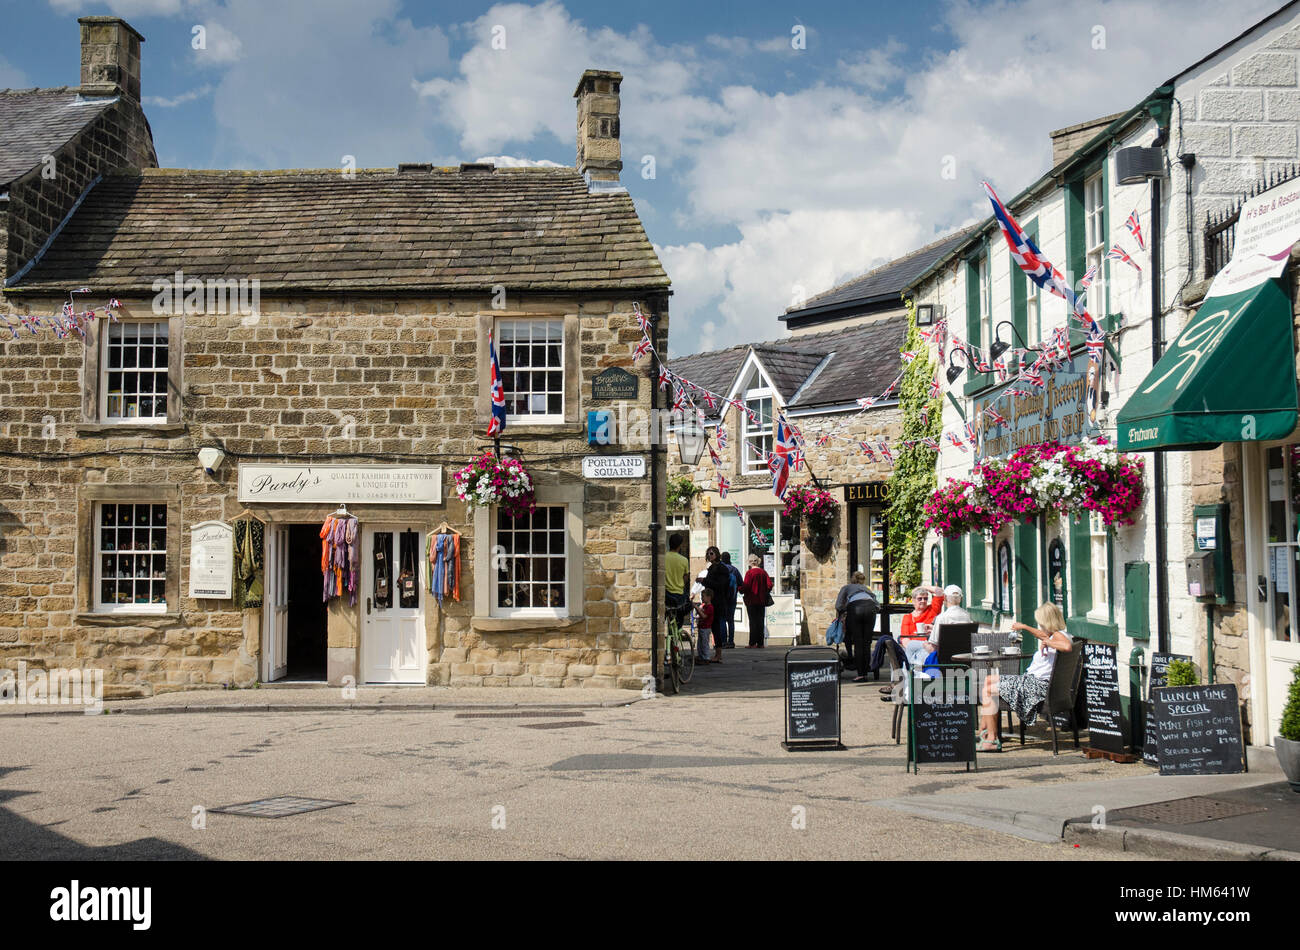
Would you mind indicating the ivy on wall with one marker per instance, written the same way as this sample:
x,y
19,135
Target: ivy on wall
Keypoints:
x,y
913,479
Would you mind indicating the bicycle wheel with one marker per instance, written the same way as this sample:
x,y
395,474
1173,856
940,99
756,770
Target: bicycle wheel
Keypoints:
x,y
687,654
674,666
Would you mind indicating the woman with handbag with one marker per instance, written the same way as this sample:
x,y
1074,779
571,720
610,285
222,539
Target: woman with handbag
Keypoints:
x,y
756,589
856,606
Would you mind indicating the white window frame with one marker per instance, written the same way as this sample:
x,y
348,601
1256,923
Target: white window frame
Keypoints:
x,y
104,370
749,465
533,418
1094,239
987,335
1099,568
97,605
547,612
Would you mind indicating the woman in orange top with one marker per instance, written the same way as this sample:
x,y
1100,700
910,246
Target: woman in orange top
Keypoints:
x,y
927,603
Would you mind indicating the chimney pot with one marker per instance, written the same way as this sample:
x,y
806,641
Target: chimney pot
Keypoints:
x,y
110,54
600,156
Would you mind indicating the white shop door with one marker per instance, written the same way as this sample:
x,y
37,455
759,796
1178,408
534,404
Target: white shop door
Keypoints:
x,y
1282,563
276,603
392,626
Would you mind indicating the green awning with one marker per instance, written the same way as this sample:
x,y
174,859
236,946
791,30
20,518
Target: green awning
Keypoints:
x,y
1229,377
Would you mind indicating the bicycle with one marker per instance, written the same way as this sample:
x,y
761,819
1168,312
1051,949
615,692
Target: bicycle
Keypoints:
x,y
679,652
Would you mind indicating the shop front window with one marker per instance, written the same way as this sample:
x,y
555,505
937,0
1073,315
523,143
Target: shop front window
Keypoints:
x,y
131,558
1283,534
531,563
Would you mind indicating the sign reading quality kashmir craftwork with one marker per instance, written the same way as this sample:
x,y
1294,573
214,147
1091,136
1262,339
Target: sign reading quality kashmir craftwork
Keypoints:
x,y
1065,410
336,484
212,560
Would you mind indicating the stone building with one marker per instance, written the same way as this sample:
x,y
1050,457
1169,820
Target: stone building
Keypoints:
x,y
292,345
1217,473
844,348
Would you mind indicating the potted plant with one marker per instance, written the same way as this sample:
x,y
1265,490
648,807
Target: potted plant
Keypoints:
x,y
489,480
1181,673
1287,742
680,492
817,508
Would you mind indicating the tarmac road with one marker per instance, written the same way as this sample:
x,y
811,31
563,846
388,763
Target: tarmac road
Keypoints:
x,y
702,775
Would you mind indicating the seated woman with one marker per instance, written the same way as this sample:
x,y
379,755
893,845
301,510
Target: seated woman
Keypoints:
x,y
1024,693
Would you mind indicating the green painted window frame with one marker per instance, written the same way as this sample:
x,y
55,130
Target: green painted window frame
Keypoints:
x,y
1024,583
1079,552
976,381
954,565
978,568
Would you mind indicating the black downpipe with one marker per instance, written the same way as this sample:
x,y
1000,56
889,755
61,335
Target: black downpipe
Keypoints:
x,y
656,599
1157,347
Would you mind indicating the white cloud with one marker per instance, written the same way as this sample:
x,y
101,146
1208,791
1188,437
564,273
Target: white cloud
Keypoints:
x,y
875,68
171,102
11,77
509,161
220,45
125,8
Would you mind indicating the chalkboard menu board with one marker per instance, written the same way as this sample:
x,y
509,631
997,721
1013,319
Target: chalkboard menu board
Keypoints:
x,y
1198,730
1159,670
1101,697
942,732
812,698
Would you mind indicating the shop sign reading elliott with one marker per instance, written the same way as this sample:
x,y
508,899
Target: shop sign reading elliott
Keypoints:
x,y
613,466
867,491
336,484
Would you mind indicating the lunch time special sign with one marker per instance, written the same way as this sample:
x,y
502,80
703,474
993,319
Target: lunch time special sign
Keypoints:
x,y
1065,410
335,484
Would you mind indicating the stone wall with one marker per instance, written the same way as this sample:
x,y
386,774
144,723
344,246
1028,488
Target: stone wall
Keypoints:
x,y
362,381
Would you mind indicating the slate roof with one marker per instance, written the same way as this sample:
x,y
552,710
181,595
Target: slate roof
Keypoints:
x,y
864,359
38,122
531,229
885,283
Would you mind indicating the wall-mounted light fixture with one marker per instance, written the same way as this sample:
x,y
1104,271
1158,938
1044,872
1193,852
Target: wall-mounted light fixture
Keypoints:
x,y
999,347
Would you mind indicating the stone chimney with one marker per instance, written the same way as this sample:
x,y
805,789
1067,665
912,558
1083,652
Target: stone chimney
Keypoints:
x,y
600,158
1065,142
110,54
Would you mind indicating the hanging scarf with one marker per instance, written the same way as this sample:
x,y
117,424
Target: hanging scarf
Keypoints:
x,y
439,567
249,537
353,557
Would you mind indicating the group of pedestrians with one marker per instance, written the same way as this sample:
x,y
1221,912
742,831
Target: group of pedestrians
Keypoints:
x,y
720,585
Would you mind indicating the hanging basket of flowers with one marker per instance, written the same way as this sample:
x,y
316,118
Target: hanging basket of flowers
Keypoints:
x,y
1048,477
815,506
489,480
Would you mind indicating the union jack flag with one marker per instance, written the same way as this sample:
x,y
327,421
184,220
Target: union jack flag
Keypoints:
x,y
931,443
642,349
665,377
1089,277
797,460
67,309
679,400
884,451
1018,392
722,437
714,457
923,334
892,387
1118,253
12,329
1134,224
866,450
724,486
866,402
934,387
779,462
753,416
1033,378
1031,260
497,424
1061,337
1096,343
709,400
823,440
956,440
925,415
641,319
740,512
1000,368
995,417
908,356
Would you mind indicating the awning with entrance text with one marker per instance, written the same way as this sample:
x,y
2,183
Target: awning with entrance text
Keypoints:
x,y
1229,377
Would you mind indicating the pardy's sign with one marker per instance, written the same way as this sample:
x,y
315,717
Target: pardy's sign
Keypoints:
x,y
1065,410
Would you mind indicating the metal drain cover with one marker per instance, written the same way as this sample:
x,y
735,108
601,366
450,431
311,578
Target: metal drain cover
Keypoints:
x,y
1185,811
554,725
516,715
279,807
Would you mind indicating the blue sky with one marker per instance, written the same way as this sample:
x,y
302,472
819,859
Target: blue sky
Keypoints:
x,y
779,171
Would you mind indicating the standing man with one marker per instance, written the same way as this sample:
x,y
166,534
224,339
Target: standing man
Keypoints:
x,y
676,567
730,608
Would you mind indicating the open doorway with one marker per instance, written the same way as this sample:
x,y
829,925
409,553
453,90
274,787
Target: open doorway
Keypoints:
x,y
306,633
